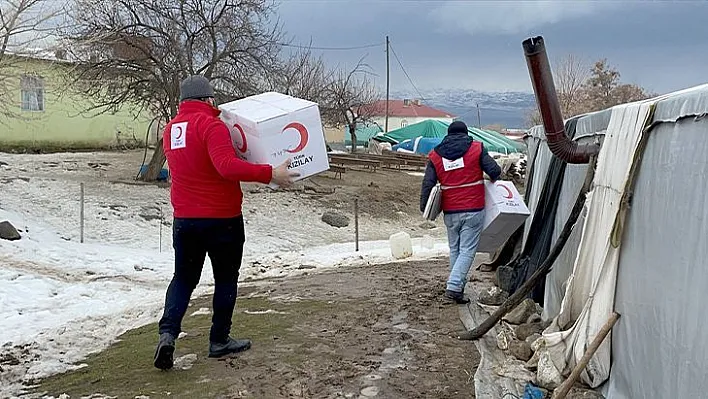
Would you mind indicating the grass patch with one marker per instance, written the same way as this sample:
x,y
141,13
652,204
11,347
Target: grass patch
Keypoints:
x,y
125,369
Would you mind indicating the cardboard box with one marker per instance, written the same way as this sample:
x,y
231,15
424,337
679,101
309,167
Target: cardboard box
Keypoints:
x,y
505,211
271,127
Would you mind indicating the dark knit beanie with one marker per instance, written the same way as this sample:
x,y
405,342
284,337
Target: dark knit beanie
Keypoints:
x,y
457,127
195,87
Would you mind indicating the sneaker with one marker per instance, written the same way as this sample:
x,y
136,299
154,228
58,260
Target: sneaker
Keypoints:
x,y
456,297
165,351
230,347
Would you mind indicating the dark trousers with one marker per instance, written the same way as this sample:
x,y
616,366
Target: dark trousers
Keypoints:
x,y
193,239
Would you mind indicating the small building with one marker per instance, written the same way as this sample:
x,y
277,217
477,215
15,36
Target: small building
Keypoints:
x,y
40,113
402,113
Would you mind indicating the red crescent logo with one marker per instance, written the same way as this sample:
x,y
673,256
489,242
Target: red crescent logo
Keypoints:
x,y
509,194
244,146
304,136
181,132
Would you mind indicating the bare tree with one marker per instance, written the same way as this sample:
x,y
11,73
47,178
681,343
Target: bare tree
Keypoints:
x,y
603,88
134,53
302,75
351,99
571,72
582,89
23,25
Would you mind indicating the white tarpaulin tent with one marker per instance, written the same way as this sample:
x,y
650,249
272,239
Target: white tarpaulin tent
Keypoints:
x,y
638,249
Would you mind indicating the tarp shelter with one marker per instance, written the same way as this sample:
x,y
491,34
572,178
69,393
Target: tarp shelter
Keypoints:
x,y
419,145
639,247
493,141
364,132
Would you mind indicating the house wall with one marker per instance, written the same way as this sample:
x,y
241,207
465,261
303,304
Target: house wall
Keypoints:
x,y
334,134
395,122
60,124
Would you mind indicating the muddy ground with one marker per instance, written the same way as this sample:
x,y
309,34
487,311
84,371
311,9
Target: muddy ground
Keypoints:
x,y
374,331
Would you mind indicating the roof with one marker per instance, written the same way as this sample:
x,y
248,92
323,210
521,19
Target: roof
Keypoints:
x,y
406,109
492,140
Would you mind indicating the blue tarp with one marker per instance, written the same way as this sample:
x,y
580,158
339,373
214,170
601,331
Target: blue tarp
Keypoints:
x,y
419,145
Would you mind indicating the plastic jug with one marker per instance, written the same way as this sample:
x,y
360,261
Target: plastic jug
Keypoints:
x,y
428,243
401,245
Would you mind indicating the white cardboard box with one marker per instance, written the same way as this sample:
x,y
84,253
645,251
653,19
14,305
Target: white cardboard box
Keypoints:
x,y
505,211
271,127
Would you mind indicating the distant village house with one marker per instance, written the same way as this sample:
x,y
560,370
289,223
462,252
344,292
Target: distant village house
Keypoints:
x,y
41,113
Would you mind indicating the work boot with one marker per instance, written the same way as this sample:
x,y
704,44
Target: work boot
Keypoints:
x,y
456,297
165,351
230,347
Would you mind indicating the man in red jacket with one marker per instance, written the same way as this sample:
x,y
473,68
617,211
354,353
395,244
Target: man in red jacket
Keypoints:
x,y
458,164
206,197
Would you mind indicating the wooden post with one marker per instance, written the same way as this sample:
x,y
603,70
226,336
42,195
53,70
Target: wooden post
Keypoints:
x,y
161,220
356,222
565,387
81,214
388,81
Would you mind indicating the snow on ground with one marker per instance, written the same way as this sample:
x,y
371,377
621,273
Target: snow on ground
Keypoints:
x,y
61,300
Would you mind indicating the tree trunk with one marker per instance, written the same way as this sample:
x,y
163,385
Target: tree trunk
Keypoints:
x,y
352,133
155,165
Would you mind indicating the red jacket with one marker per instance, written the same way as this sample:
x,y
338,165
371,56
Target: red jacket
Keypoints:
x,y
205,171
465,171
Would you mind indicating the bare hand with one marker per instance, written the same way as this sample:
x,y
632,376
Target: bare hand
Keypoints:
x,y
282,176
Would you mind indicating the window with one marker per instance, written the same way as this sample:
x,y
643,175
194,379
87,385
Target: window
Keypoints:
x,y
32,89
404,123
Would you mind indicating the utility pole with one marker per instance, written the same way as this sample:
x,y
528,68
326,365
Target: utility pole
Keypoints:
x,y
388,81
479,117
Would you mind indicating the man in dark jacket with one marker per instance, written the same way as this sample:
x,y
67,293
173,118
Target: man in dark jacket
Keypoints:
x,y
458,163
206,196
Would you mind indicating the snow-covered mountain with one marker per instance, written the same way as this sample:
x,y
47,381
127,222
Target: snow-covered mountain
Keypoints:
x,y
508,109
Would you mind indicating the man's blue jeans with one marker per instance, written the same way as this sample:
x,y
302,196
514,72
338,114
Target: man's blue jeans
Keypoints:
x,y
463,231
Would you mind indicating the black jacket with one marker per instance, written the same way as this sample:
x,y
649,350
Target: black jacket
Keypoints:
x,y
454,146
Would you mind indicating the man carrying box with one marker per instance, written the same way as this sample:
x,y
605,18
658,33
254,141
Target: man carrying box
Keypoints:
x,y
458,164
206,196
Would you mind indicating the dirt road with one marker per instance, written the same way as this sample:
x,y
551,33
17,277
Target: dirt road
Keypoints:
x,y
375,331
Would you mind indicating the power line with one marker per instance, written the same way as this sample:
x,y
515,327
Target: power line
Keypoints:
x,y
331,48
405,72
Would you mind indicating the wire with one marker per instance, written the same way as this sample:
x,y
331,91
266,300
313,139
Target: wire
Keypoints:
x,y
404,71
331,48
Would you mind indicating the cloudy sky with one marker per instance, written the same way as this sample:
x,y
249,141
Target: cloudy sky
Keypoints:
x,y
660,45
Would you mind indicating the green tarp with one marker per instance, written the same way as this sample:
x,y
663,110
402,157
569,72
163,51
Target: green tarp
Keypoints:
x,y
363,134
493,141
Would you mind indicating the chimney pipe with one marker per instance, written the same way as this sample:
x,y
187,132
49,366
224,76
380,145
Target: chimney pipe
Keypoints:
x,y
547,100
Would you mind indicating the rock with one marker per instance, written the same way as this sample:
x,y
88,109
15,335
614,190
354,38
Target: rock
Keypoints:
x,y
520,350
503,340
534,318
8,231
3,163
538,344
335,219
521,313
492,297
532,364
532,339
526,330
548,376
427,225
505,278
582,393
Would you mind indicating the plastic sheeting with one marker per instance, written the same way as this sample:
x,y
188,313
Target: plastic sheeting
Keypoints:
x,y
659,346
589,297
